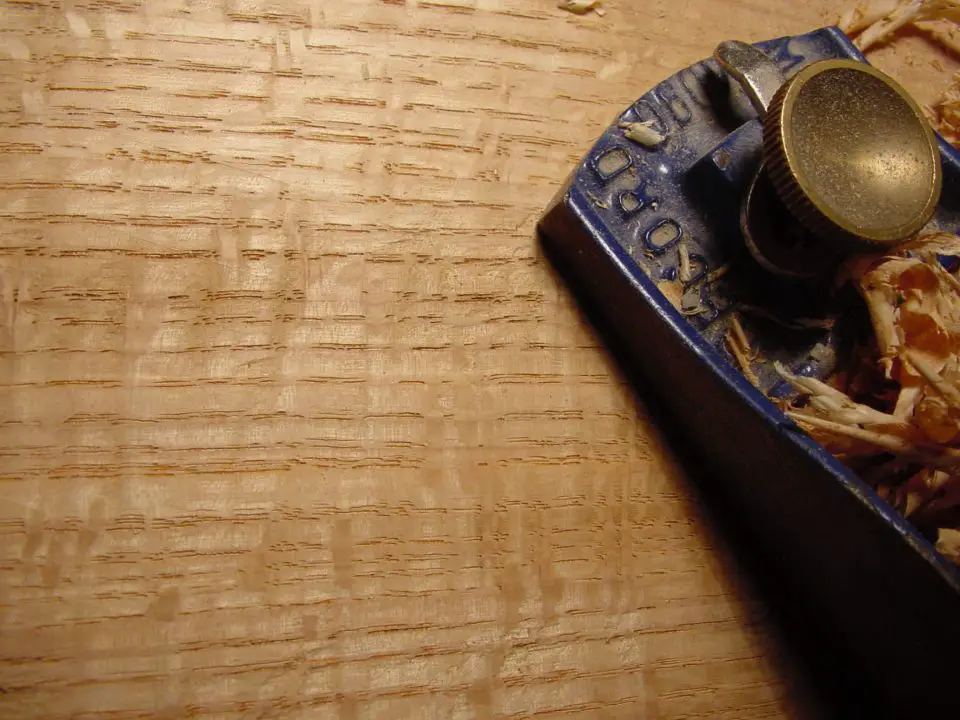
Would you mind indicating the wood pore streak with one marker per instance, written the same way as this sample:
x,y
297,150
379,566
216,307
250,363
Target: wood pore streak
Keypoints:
x,y
295,420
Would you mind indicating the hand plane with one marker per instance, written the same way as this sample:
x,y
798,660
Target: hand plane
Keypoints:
x,y
743,181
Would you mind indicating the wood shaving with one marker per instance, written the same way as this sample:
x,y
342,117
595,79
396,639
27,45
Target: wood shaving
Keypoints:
x,y
944,32
948,543
739,334
946,458
642,133
945,113
835,405
937,410
739,347
598,202
685,273
673,291
581,7
692,303
877,22
911,306
859,18
947,390
718,273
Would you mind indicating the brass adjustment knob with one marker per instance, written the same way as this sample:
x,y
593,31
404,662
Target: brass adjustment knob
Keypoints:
x,y
851,155
848,151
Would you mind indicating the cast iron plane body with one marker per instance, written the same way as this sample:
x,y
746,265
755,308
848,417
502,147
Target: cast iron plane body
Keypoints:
x,y
866,575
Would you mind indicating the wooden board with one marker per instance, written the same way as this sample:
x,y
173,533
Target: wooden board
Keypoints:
x,y
295,421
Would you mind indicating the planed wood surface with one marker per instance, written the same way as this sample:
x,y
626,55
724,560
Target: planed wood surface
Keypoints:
x,y
295,421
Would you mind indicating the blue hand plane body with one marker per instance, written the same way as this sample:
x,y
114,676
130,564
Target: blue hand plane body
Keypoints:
x,y
615,233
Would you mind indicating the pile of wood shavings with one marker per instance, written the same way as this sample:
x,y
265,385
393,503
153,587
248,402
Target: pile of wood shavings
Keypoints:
x,y
902,432
877,21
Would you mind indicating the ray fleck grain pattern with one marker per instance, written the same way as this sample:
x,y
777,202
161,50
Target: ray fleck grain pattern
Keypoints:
x,y
295,421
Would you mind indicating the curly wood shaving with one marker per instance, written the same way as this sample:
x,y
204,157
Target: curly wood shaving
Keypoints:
x,y
937,457
946,112
928,493
947,391
910,306
937,412
904,13
907,402
934,243
944,32
859,18
936,418
835,405
739,347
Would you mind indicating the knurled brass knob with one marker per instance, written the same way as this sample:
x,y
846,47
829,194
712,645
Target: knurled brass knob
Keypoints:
x,y
851,155
848,151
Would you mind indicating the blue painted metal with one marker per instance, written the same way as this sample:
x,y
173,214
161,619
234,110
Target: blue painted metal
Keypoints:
x,y
614,231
